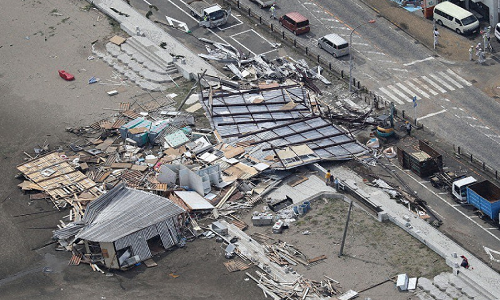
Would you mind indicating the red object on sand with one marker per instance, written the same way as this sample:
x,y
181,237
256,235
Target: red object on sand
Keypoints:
x,y
65,75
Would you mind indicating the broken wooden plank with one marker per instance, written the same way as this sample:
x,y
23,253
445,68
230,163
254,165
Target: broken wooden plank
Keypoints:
x,y
315,259
121,165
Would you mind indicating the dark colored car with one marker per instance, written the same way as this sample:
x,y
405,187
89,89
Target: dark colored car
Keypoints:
x,y
295,22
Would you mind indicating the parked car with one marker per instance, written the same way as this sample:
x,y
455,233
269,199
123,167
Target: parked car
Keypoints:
x,y
456,18
295,22
264,3
334,44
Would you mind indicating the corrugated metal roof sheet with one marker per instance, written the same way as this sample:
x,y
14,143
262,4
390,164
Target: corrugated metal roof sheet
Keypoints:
x,y
273,123
123,211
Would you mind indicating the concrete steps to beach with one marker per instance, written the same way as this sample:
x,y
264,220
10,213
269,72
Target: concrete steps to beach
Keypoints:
x,y
446,286
141,62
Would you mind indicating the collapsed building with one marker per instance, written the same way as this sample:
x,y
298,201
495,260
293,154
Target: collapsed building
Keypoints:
x,y
280,127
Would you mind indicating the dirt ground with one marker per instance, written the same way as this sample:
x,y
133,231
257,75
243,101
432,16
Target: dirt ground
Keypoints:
x,y
41,37
373,251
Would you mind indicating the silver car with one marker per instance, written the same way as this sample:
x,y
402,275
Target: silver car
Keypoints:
x,y
334,44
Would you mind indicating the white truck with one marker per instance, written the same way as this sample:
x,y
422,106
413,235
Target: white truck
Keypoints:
x,y
459,189
209,15
456,185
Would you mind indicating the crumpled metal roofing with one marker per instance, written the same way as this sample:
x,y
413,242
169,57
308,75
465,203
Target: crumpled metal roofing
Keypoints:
x,y
123,211
268,122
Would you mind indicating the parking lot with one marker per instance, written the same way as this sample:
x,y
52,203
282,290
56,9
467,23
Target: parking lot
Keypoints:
x,y
235,32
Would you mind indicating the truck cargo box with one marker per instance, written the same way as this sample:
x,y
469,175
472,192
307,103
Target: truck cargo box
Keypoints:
x,y
421,159
485,196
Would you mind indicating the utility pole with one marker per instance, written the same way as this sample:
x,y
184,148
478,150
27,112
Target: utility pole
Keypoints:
x,y
345,229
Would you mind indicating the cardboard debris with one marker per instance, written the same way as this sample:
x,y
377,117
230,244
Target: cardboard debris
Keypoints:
x,y
117,40
193,108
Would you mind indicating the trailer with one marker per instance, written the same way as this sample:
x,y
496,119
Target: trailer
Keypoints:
x,y
423,161
208,14
485,196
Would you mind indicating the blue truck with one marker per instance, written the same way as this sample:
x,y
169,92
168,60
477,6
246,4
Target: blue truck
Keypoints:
x,y
485,196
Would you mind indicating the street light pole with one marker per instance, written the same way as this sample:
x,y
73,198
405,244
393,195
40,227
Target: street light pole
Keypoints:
x,y
350,53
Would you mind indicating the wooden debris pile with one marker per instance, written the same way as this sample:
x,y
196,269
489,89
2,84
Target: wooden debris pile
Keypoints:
x,y
302,288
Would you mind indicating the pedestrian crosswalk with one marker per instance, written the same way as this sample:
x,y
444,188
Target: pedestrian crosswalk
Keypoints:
x,y
425,86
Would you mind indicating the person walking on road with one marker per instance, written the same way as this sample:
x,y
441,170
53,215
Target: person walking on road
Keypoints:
x,y
471,51
436,36
273,12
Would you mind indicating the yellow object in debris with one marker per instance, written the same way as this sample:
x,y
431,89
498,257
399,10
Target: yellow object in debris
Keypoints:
x,y
173,275
385,130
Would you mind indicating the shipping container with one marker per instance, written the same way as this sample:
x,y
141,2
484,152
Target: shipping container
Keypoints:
x,y
485,196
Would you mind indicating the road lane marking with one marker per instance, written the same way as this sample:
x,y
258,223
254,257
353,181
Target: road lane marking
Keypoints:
x,y
330,20
400,70
416,88
399,93
432,114
374,52
243,46
407,90
441,81
464,81
451,80
241,32
439,88
390,95
417,61
420,83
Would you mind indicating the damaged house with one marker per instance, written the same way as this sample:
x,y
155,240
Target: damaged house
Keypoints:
x,y
123,227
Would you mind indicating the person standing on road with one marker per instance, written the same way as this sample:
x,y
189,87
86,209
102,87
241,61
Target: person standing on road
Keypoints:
x,y
436,35
408,128
478,49
471,51
273,12
481,56
485,41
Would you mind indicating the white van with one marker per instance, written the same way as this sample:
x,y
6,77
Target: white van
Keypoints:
x,y
334,44
455,18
